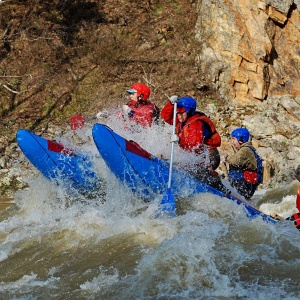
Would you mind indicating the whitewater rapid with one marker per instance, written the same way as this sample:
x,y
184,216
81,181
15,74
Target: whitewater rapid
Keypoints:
x,y
61,245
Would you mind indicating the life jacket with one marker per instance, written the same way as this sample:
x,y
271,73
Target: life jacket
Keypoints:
x,y
296,218
143,113
210,136
298,199
254,177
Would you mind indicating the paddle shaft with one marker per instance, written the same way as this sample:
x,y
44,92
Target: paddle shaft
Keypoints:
x,y
172,147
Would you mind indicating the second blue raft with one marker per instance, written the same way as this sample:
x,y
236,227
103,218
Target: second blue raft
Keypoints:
x,y
148,175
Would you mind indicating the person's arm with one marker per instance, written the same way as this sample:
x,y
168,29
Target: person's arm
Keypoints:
x,y
238,159
243,158
167,113
129,108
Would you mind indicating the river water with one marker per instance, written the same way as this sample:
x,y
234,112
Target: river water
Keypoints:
x,y
57,244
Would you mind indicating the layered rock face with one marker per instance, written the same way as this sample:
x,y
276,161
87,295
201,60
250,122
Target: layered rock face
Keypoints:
x,y
250,54
250,47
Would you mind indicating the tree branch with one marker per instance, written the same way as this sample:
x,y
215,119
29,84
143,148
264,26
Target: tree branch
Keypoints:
x,y
4,85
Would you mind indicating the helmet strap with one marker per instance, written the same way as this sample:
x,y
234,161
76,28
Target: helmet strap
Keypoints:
x,y
140,97
190,113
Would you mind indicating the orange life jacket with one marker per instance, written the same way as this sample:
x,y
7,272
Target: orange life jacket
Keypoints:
x,y
210,136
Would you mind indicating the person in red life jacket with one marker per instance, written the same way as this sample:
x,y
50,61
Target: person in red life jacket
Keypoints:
x,y
245,165
297,175
296,217
139,108
195,132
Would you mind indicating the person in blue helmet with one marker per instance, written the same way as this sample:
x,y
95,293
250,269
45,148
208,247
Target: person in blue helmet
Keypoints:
x,y
195,132
245,165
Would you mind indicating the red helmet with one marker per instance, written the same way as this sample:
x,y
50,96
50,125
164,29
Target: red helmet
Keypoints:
x,y
141,90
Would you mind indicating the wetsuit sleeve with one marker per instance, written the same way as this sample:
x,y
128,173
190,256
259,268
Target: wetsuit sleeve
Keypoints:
x,y
243,159
167,113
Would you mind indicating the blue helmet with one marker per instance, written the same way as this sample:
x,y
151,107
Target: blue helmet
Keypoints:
x,y
241,134
188,103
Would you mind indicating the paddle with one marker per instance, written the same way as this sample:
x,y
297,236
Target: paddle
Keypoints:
x,y
168,203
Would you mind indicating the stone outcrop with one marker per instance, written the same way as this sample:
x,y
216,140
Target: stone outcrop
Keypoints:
x,y
250,54
250,47
275,133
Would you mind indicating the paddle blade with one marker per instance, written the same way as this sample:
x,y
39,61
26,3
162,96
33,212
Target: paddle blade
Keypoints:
x,y
168,204
76,122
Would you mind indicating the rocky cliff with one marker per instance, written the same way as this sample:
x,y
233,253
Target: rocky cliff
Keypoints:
x,y
250,54
250,49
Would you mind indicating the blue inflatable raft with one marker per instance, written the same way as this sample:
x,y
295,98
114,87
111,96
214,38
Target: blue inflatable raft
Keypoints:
x,y
58,163
148,175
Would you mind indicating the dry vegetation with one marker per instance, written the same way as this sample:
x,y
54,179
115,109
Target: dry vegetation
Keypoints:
x,y
59,58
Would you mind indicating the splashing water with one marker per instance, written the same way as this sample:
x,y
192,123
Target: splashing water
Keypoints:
x,y
61,245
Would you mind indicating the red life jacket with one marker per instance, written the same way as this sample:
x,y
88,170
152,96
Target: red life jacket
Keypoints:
x,y
198,130
143,113
296,218
298,199
212,138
